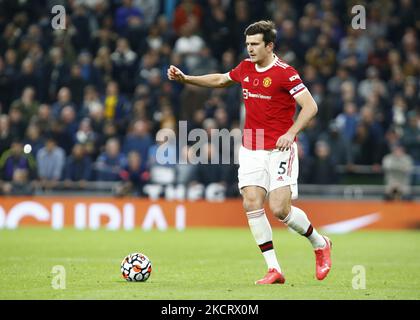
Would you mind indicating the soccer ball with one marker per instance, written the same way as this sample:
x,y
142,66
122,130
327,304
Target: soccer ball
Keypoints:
x,y
136,267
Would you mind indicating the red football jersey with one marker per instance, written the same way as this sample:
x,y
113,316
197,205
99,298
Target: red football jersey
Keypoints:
x,y
269,95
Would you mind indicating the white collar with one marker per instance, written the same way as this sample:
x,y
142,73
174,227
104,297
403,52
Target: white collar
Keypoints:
x,y
259,69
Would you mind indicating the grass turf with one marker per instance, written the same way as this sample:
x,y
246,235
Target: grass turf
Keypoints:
x,y
203,264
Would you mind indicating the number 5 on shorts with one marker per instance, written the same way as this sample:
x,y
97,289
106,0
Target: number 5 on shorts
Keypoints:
x,y
282,169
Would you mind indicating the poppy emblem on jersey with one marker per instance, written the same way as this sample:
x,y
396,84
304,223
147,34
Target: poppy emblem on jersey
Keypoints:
x,y
267,82
256,82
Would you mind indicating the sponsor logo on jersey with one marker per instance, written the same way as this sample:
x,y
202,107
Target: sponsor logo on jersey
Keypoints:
x,y
292,78
248,94
246,79
267,82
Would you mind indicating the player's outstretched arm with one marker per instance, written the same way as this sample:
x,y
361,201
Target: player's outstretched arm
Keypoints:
x,y
309,110
215,80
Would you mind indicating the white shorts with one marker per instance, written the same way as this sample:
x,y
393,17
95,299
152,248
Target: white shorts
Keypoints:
x,y
269,169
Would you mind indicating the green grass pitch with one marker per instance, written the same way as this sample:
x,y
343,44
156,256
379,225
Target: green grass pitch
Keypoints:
x,y
204,264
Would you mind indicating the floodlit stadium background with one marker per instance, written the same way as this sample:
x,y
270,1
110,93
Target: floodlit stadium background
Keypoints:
x,y
88,78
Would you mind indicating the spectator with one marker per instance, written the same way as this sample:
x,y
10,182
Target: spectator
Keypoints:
x,y
116,107
14,158
56,74
340,152
16,123
375,134
205,62
84,23
371,84
323,170
78,169
215,24
189,45
85,134
150,7
322,56
363,146
27,104
126,12
34,139
132,176
124,61
27,77
64,99
149,62
347,121
242,18
305,165
103,63
110,163
185,12
138,139
411,141
69,124
166,117
399,112
411,136
206,173
398,167
51,160
185,171
20,184
90,102
7,79
109,130
310,135
6,137
335,82
76,85
410,93
162,157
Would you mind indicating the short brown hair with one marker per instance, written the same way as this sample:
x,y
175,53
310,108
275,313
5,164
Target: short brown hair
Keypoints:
x,y
266,27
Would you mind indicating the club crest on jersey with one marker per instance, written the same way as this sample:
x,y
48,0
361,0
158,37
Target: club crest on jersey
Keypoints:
x,y
267,82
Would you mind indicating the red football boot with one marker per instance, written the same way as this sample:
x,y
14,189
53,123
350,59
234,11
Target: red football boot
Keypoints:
x,y
323,260
272,277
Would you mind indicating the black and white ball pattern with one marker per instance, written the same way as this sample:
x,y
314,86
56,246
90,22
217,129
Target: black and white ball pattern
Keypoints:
x,y
136,267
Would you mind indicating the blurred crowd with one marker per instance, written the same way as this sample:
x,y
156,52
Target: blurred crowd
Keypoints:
x,y
85,103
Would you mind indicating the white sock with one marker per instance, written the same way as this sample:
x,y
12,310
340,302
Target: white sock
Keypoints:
x,y
263,235
298,221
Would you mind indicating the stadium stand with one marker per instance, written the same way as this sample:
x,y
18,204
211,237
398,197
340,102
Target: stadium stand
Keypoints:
x,y
97,94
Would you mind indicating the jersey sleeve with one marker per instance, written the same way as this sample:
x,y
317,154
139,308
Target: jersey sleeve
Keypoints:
x,y
292,82
235,73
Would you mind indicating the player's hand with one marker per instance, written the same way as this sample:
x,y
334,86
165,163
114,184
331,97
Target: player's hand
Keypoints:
x,y
285,141
175,74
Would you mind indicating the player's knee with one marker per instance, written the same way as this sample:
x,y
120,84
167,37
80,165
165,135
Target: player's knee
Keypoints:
x,y
280,211
251,203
